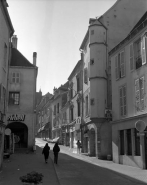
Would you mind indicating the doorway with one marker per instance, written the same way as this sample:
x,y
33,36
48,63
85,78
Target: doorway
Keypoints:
x,y
20,131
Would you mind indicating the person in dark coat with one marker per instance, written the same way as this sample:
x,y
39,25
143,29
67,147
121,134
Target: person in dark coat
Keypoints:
x,y
56,150
45,151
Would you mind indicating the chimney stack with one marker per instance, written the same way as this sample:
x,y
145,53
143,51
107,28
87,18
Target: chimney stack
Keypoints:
x,y
34,58
14,41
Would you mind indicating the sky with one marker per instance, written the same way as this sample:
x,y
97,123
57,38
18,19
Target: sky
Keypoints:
x,y
55,30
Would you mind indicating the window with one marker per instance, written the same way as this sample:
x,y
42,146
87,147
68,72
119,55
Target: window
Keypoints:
x,y
79,108
54,109
14,98
92,101
122,146
78,84
119,65
5,55
92,32
129,142
139,52
123,101
131,58
16,77
86,108
71,114
137,142
91,61
85,76
139,94
58,108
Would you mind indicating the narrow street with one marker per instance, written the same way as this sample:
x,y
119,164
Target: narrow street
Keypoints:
x,y
69,170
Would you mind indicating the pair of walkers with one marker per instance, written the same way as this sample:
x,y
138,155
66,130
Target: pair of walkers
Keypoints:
x,y
56,150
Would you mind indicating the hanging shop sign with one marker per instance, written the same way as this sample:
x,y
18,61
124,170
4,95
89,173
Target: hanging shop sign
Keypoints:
x,y
7,132
87,120
16,117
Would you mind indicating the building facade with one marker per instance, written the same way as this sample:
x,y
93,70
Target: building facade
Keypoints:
x,y
103,34
21,113
75,103
6,33
129,98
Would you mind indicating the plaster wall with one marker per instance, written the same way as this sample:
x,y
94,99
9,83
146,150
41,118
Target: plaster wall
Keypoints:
x,y
123,14
129,81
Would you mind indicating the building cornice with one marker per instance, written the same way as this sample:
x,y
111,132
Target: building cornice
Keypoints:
x,y
100,77
130,118
94,43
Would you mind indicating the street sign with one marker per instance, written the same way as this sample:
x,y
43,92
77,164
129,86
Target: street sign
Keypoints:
x,y
140,125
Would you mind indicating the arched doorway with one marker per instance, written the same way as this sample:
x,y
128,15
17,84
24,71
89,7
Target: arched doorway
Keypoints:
x,y
92,142
20,131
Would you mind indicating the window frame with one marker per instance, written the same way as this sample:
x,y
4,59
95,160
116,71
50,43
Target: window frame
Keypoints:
x,y
14,99
123,100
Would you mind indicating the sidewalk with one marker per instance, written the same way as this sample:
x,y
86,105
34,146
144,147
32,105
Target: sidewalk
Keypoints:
x,y
130,172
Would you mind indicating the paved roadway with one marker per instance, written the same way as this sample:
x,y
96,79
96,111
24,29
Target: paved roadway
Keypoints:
x,y
70,170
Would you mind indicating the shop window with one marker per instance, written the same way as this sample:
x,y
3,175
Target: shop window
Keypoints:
x,y
137,143
129,142
14,98
122,146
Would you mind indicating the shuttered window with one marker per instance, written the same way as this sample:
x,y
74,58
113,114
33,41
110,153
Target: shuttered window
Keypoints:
x,y
131,58
143,51
123,101
120,65
139,94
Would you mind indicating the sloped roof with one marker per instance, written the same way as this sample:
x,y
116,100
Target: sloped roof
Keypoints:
x,y
17,59
143,18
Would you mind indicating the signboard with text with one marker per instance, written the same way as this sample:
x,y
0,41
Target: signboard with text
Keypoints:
x,y
16,117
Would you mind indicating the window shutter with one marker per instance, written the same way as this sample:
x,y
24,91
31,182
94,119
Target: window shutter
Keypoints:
x,y
122,64
143,51
124,100
137,95
121,101
141,83
116,67
131,58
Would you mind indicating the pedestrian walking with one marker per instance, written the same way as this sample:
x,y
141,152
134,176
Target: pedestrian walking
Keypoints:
x,y
56,150
45,152
78,146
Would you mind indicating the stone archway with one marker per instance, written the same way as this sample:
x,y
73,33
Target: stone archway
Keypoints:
x,y
20,131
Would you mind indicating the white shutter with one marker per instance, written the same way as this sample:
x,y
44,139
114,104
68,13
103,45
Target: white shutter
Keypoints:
x,y
121,101
137,95
131,58
122,64
143,51
116,67
124,100
141,84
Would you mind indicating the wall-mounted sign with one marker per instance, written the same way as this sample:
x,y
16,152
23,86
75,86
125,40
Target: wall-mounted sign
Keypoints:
x,y
16,117
140,125
7,132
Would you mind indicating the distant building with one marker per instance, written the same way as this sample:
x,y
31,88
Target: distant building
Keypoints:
x,y
21,113
75,103
129,97
6,32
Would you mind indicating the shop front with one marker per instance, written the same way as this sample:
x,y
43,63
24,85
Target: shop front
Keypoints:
x,y
22,131
129,141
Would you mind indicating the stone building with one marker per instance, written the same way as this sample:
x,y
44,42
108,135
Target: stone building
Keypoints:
x,y
21,113
129,98
6,32
103,34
